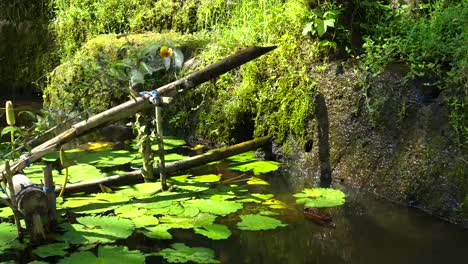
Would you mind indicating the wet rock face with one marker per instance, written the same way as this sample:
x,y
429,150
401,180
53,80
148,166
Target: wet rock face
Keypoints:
x,y
389,137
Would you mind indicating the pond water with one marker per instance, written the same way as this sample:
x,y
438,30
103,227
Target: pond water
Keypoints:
x,y
368,230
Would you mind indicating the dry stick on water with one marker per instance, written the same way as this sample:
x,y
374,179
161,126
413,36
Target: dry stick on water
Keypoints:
x,y
14,203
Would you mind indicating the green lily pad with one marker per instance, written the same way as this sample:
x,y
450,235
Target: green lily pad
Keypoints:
x,y
274,204
145,220
79,258
158,232
170,142
320,197
214,231
206,178
129,211
93,229
258,167
6,212
255,198
257,181
87,205
119,254
248,156
217,207
83,172
7,236
202,219
106,158
258,222
268,213
55,249
167,158
180,253
142,190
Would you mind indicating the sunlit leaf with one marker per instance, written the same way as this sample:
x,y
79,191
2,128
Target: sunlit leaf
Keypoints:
x,y
218,207
214,231
180,253
257,181
258,222
6,212
144,221
320,197
119,254
79,258
158,232
129,211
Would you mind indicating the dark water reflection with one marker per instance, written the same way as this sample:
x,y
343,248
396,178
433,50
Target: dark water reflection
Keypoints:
x,y
368,230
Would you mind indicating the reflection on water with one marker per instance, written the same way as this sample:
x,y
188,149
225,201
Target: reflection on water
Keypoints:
x,y
367,230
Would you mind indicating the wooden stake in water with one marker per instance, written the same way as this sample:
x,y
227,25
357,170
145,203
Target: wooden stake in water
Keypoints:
x,y
145,150
159,129
49,189
12,195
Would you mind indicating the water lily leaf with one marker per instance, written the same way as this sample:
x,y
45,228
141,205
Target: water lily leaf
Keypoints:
x,y
129,211
154,205
158,232
93,229
275,204
320,197
180,253
96,146
167,158
170,142
202,219
7,236
258,222
79,258
214,231
55,249
258,167
83,172
6,212
206,178
107,158
268,213
193,188
248,156
222,197
217,207
255,198
119,254
145,220
257,181
142,190
52,156
87,205
190,211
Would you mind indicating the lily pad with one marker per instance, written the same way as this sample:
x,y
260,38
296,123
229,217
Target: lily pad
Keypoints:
x,y
167,158
145,220
258,222
214,231
206,178
6,212
142,190
119,254
257,181
55,249
79,258
83,172
217,207
107,158
258,167
180,253
248,156
129,211
7,236
158,232
93,229
202,219
320,197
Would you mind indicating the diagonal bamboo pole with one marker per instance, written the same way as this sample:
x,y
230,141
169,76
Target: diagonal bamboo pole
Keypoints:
x,y
133,106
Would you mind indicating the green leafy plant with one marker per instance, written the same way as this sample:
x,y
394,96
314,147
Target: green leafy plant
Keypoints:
x,y
320,197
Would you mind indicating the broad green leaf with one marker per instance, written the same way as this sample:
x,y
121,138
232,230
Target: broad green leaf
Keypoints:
x,y
274,204
7,235
83,172
158,232
258,167
119,254
80,258
214,231
258,222
145,220
217,207
141,190
107,158
268,213
93,229
180,253
6,212
129,211
257,181
320,197
248,156
55,249
206,178
202,219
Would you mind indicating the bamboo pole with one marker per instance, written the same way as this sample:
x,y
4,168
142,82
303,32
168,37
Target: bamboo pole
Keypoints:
x,y
133,106
161,162
135,176
16,213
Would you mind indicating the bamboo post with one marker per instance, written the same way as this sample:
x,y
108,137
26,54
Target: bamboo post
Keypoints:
x,y
159,130
14,203
145,150
49,189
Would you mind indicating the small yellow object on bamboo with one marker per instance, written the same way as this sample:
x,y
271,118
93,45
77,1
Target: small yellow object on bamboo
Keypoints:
x,y
165,52
10,113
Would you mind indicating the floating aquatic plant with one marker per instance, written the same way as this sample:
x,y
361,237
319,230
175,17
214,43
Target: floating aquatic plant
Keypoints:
x,y
106,254
320,197
180,253
7,236
258,222
247,162
54,249
158,232
214,231
217,207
